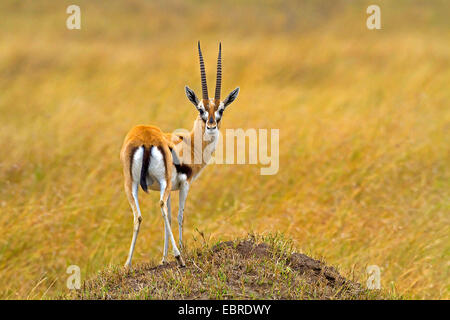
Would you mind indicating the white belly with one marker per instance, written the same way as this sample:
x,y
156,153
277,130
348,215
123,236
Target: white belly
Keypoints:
x,y
153,184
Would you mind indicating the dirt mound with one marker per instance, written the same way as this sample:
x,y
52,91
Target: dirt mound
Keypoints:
x,y
314,272
242,269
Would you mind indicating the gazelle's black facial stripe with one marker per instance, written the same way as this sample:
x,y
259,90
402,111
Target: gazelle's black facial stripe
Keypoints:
x,y
202,111
204,115
219,112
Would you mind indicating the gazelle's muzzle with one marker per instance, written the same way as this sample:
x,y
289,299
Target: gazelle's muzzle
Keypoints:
x,y
211,124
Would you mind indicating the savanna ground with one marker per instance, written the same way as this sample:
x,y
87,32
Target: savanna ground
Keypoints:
x,y
256,267
363,115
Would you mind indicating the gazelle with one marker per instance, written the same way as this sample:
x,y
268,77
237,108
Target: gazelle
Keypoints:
x,y
156,161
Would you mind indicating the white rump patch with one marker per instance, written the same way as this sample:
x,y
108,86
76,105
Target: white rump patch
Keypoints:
x,y
136,165
156,169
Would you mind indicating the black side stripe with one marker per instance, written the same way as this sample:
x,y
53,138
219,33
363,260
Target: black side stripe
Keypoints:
x,y
184,169
145,165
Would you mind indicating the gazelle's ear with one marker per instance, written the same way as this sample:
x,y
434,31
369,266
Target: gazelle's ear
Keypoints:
x,y
191,96
231,97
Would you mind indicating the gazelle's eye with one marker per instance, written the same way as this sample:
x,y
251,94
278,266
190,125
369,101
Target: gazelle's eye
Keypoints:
x,y
203,115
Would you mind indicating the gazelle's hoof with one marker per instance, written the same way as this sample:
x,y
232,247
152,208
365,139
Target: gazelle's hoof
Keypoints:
x,y
163,262
127,266
180,261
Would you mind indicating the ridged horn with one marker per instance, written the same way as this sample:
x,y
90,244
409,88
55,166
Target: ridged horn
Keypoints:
x,y
219,74
203,74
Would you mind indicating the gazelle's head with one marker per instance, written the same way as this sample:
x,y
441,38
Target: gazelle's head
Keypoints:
x,y
211,110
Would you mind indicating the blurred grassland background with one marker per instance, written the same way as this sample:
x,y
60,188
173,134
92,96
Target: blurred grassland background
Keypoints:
x,y
364,121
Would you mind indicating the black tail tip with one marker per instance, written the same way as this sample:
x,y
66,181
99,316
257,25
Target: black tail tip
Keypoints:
x,y
144,185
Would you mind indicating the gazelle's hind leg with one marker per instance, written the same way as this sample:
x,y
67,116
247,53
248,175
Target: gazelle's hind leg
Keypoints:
x,y
164,191
131,190
166,234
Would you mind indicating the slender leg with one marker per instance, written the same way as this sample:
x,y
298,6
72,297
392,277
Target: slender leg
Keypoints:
x,y
184,188
132,195
168,229
166,234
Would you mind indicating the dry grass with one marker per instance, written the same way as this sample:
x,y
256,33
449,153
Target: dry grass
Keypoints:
x,y
364,129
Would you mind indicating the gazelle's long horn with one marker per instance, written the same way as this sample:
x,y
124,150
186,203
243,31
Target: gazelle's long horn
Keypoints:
x,y
203,74
219,74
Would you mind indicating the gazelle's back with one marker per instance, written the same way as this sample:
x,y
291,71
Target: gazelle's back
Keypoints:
x,y
146,135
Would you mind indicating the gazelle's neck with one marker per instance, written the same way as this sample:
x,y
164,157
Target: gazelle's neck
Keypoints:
x,y
202,145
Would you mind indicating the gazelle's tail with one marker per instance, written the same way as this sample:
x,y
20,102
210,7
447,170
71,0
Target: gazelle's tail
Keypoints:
x,y
145,165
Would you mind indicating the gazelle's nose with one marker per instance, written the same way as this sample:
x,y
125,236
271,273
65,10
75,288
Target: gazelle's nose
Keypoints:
x,y
211,120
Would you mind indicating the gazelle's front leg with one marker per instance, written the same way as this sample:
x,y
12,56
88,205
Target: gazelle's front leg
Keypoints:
x,y
166,234
184,189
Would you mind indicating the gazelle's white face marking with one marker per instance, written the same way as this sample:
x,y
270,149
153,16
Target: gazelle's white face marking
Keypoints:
x,y
202,110
219,112
211,125
209,111
208,115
